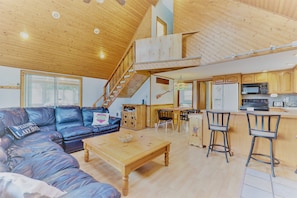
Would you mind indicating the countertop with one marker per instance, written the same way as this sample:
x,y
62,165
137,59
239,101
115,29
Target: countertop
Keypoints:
x,y
285,112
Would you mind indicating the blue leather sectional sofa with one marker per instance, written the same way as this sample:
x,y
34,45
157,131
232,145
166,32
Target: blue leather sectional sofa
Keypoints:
x,y
42,154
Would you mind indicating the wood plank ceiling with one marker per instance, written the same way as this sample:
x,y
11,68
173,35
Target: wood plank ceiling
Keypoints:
x,y
68,45
286,8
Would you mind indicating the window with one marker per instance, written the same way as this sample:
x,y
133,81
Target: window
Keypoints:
x,y
161,27
185,96
41,89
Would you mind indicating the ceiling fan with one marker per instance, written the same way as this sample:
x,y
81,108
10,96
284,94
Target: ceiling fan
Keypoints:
x,y
122,2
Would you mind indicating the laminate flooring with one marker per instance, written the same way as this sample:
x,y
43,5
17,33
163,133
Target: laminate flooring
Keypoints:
x,y
191,174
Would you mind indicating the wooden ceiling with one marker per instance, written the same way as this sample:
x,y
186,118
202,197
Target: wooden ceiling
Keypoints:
x,y
286,8
68,45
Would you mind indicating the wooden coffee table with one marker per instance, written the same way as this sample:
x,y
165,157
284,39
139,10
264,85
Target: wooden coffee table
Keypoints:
x,y
126,157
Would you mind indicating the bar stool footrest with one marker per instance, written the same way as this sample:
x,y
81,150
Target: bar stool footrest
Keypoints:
x,y
219,150
276,161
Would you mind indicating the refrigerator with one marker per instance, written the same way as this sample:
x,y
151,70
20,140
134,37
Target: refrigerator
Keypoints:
x,y
225,97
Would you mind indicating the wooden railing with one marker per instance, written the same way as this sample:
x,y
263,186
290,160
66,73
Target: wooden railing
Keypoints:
x,y
119,75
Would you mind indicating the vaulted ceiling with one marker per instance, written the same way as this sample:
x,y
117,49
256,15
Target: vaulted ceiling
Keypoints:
x,y
69,45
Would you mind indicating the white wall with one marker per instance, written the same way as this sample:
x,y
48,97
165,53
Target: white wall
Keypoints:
x,y
163,10
9,77
92,90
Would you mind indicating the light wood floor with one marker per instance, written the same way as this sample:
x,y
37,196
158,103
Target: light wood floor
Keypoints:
x,y
189,174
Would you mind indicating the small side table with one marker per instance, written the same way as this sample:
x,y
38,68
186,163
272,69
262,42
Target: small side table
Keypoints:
x,y
195,129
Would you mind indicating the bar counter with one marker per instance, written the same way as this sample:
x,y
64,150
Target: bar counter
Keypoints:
x,y
285,146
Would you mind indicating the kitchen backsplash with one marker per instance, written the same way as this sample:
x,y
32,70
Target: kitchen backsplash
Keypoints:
x,y
290,100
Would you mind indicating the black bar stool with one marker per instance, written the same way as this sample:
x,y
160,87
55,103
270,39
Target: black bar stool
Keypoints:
x,y
218,122
263,126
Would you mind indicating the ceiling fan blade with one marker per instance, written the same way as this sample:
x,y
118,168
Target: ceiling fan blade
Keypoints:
x,y
122,2
87,1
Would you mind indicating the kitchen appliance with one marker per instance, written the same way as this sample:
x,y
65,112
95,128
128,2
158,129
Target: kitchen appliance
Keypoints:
x,y
254,105
278,104
225,97
255,88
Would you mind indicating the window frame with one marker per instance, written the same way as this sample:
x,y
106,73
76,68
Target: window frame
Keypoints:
x,y
46,74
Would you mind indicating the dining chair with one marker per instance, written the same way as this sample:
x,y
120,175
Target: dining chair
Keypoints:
x,y
165,117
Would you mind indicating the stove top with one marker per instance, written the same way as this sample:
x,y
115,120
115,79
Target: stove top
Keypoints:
x,y
255,104
255,108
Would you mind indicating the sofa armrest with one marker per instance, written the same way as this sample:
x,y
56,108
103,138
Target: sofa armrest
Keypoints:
x,y
114,120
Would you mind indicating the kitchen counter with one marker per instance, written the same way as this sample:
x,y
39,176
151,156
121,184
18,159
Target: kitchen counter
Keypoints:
x,y
285,145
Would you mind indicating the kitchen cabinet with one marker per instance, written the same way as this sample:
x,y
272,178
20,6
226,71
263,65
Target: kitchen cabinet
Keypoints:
x,y
254,78
227,79
295,79
133,116
281,82
261,77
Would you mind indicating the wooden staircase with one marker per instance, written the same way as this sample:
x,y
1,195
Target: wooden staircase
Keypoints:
x,y
124,81
154,55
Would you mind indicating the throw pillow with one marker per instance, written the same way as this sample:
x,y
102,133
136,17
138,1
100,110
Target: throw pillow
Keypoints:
x,y
100,118
17,185
21,131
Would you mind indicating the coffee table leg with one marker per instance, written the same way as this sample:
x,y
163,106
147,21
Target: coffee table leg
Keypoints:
x,y
167,155
125,185
86,155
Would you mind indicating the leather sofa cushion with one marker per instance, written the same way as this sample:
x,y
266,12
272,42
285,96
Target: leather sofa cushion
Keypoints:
x,y
12,117
87,113
68,116
103,128
6,141
75,132
44,117
114,120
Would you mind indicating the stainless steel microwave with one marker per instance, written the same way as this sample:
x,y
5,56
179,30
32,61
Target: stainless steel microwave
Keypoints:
x,y
254,88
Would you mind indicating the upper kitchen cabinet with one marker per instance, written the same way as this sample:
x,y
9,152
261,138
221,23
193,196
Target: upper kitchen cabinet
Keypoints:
x,y
281,82
295,79
254,78
227,79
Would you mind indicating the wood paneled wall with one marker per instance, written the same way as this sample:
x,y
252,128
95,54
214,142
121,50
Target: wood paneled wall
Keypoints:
x,y
228,27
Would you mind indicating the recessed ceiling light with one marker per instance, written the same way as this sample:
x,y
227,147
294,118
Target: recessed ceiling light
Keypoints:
x,y
101,55
24,35
100,1
56,15
96,31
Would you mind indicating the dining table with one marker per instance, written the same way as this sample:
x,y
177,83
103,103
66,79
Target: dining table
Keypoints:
x,y
177,112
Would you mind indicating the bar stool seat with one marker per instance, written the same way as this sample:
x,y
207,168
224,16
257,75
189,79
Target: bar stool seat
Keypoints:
x,y
218,122
263,126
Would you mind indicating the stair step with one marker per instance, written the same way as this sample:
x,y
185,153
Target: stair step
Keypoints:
x,y
115,91
107,100
119,87
126,76
111,96
131,70
123,81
